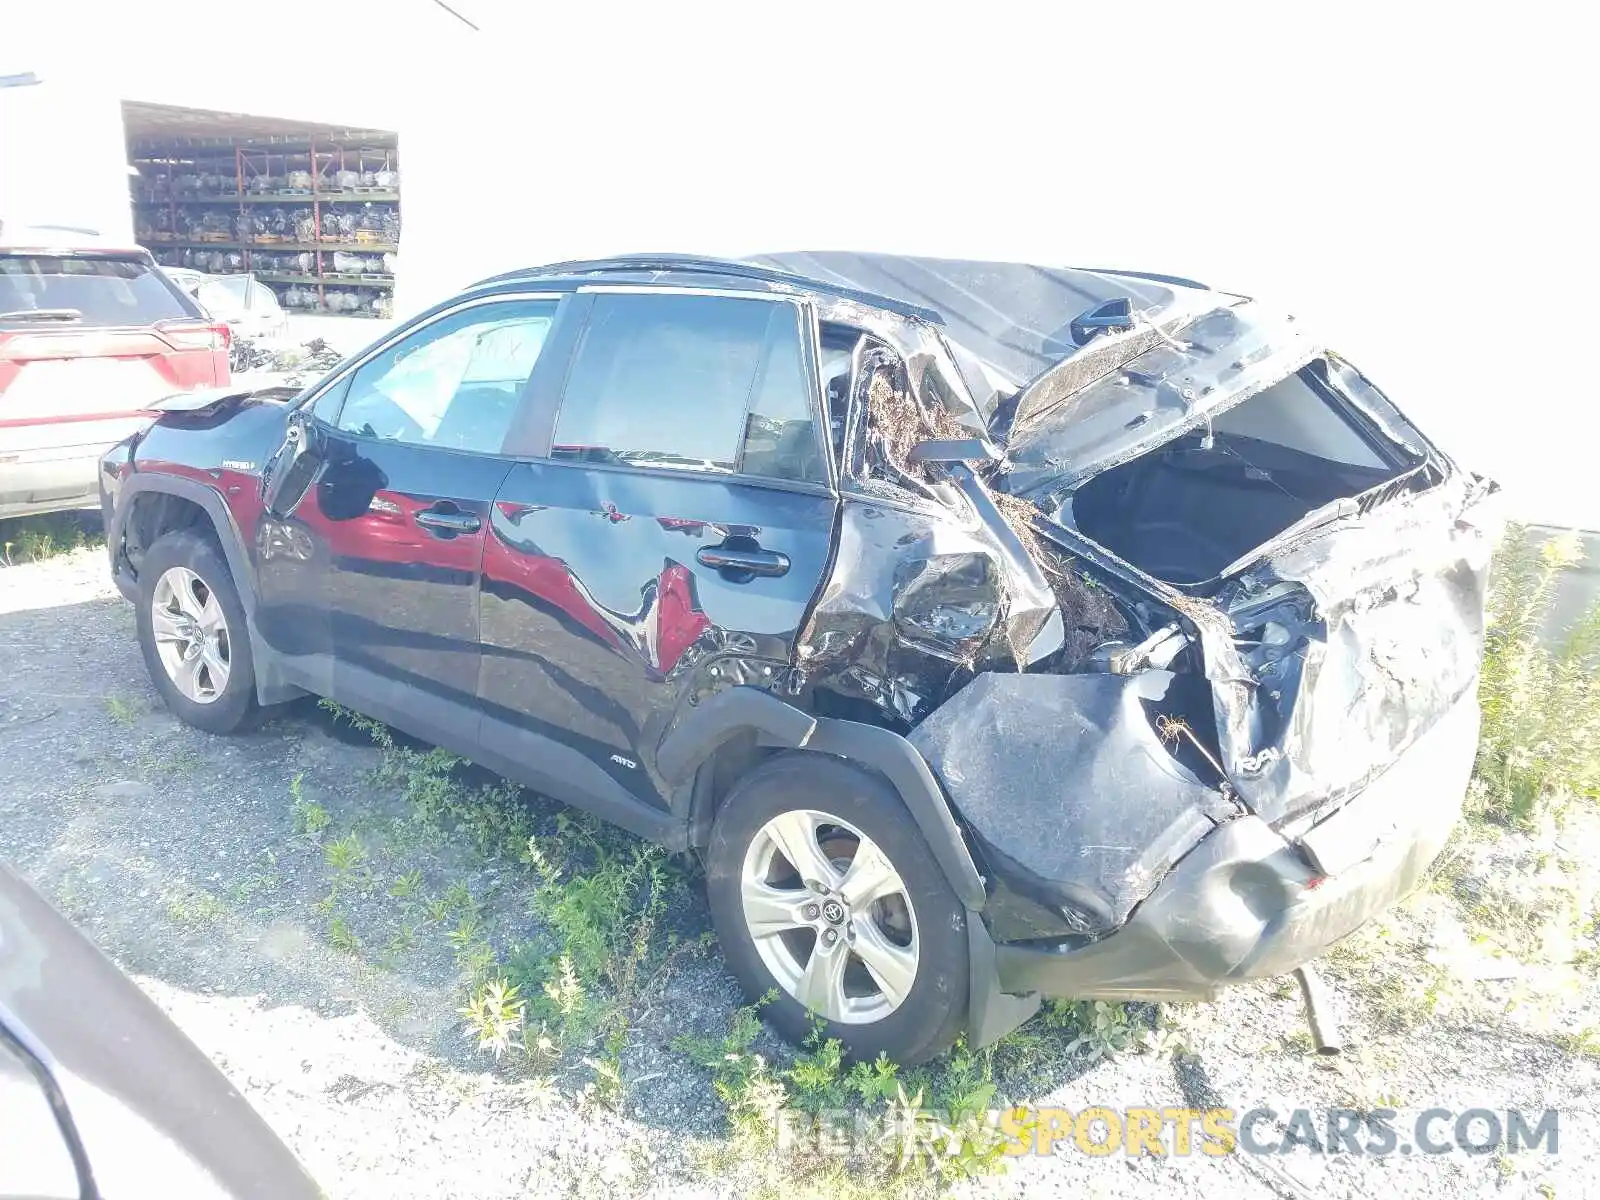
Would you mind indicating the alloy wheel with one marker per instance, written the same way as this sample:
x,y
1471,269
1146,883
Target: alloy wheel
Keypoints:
x,y
191,635
830,916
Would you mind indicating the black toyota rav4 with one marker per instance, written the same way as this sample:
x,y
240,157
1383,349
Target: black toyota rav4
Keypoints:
x,y
989,631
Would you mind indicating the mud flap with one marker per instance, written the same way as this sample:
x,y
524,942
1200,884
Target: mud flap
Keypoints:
x,y
991,1013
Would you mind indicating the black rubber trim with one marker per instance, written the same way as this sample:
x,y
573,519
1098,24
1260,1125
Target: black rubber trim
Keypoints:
x,y
724,716
777,723
558,770
907,772
215,507
991,1013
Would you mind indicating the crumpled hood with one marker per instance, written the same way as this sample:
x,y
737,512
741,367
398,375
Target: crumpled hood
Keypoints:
x,y
1126,393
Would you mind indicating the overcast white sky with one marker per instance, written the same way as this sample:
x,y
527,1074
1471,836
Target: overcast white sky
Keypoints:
x,y
1416,181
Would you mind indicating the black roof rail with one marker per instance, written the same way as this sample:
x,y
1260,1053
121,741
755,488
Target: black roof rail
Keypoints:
x,y
690,264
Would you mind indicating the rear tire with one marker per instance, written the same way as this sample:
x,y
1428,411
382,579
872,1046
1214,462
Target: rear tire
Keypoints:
x,y
193,634
902,940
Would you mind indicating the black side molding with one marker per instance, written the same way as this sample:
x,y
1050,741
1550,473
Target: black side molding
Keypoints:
x,y
776,723
720,718
907,772
991,1013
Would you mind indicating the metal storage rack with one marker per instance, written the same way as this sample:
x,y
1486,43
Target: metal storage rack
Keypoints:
x,y
253,165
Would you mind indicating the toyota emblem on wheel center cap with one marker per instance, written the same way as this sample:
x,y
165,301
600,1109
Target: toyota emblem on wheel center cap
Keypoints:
x,y
833,911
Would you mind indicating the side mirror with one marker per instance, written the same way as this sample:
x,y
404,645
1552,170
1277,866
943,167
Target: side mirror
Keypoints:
x,y
949,450
294,467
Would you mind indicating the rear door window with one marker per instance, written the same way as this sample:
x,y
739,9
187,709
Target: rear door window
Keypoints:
x,y
715,384
107,292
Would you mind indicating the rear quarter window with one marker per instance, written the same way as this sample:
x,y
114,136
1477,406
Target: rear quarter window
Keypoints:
x,y
109,292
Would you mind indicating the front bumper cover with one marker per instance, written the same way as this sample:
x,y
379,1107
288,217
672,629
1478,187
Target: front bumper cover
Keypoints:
x,y
1246,903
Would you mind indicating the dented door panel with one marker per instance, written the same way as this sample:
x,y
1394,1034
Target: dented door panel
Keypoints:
x,y
602,620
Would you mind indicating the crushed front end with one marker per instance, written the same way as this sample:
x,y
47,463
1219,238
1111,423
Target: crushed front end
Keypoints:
x,y
1191,645
1157,831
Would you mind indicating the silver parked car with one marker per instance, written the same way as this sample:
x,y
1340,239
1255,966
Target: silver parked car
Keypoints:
x,y
242,302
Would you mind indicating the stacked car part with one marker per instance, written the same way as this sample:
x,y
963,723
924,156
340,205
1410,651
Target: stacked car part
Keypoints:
x,y
316,218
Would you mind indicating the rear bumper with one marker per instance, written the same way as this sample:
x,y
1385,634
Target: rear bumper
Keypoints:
x,y
31,483
51,466
1246,904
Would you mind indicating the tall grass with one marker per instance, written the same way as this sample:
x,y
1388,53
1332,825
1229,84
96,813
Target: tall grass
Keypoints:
x,y
1540,744
30,539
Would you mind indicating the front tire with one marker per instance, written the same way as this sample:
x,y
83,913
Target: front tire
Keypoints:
x,y
193,634
823,891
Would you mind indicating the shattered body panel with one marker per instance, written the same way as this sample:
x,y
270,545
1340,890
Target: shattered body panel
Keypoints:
x,y
1377,636
1035,759
1091,724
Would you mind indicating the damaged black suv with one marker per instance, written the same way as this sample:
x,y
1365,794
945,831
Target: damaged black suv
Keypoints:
x,y
990,631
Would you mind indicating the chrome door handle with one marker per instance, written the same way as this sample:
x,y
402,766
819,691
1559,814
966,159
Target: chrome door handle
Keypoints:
x,y
735,559
448,522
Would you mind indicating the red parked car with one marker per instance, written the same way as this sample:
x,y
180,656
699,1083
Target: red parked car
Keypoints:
x,y
90,335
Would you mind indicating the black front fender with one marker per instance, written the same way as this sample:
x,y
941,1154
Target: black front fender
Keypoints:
x,y
209,500
272,686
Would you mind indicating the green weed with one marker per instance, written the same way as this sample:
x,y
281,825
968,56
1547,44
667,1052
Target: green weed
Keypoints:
x,y
1100,1028
309,818
403,942
30,539
341,936
603,919
492,816
913,1133
1540,741
122,710
494,1016
196,907
1585,1043
345,855
437,909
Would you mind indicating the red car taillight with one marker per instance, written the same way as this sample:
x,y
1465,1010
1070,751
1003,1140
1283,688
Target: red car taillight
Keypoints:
x,y
195,335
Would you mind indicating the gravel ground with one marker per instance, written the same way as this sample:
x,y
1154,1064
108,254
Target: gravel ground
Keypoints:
x,y
176,852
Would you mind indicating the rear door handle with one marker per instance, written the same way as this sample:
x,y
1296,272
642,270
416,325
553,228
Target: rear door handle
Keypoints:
x,y
448,522
736,560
